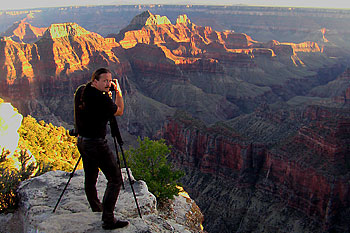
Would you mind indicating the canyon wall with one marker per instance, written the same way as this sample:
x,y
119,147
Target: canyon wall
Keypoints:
x,y
230,71
262,23
305,172
274,152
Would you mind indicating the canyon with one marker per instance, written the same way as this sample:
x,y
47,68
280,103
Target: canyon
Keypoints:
x,y
267,170
261,127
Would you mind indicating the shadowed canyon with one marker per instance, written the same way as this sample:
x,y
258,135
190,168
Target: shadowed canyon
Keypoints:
x,y
254,101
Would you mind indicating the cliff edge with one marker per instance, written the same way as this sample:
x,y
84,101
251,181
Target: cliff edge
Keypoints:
x,y
39,195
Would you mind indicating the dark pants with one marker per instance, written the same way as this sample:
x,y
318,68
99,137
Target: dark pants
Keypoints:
x,y
96,154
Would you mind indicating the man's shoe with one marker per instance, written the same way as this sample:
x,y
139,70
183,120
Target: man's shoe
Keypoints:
x,y
114,225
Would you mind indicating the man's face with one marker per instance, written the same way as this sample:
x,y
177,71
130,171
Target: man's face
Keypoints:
x,y
104,82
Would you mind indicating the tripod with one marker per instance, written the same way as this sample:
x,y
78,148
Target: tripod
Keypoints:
x,y
116,136
65,187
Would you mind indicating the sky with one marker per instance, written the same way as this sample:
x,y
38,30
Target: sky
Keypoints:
x,y
27,4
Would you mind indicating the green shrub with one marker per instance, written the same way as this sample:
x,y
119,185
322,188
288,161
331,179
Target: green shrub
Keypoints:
x,y
52,148
49,144
149,163
11,178
8,183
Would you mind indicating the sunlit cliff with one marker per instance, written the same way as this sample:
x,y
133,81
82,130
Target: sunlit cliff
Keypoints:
x,y
63,48
260,112
66,48
22,31
184,42
67,53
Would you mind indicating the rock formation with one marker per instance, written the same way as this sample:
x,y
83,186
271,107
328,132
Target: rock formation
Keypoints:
x,y
36,73
338,89
300,157
281,112
39,195
263,24
229,71
22,31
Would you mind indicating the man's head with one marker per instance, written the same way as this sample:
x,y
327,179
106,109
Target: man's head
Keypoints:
x,y
101,79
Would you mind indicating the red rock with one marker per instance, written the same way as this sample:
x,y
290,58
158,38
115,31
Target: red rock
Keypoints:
x,y
309,171
22,31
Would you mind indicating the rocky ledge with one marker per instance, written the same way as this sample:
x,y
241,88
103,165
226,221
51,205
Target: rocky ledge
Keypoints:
x,y
39,195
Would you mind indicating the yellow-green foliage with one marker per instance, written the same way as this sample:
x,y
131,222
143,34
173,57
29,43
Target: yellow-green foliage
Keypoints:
x,y
53,149
49,144
11,177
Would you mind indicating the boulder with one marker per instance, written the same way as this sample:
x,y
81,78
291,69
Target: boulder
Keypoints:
x,y
39,195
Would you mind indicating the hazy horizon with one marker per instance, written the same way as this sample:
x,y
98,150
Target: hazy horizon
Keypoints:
x,y
30,4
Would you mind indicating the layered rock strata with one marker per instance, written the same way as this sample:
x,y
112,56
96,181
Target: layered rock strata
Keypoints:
x,y
22,31
306,171
214,76
230,71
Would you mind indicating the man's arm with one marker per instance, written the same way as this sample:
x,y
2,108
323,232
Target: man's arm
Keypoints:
x,y
119,101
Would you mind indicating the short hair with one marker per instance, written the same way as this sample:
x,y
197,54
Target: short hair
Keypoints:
x,y
98,72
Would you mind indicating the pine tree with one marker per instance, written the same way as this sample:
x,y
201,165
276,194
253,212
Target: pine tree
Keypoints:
x,y
149,163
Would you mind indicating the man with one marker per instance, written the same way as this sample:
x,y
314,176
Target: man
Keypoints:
x,y
93,109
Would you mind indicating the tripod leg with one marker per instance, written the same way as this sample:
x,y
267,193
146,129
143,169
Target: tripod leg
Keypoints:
x,y
70,177
116,134
132,188
118,159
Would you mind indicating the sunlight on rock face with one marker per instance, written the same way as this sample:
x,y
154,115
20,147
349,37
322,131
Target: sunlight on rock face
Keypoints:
x,y
157,20
183,19
60,30
182,192
10,121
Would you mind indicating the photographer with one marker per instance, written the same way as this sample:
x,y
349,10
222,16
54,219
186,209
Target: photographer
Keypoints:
x,y
94,107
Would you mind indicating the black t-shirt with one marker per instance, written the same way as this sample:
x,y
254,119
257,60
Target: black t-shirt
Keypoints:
x,y
92,111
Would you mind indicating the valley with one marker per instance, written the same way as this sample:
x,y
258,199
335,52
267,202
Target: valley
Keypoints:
x,y
253,100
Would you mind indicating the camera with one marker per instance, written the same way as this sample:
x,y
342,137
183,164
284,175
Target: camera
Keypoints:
x,y
73,132
112,88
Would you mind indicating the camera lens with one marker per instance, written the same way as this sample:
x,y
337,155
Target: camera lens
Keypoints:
x,y
112,88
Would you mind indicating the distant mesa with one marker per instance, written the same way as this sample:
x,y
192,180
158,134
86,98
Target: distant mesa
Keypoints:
x,y
22,31
59,30
256,92
324,31
183,19
183,43
147,19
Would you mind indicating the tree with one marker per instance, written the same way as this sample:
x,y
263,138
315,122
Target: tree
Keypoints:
x,y
53,149
11,178
149,162
51,146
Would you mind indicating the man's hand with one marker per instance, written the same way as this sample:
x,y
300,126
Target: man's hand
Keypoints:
x,y
118,98
116,86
